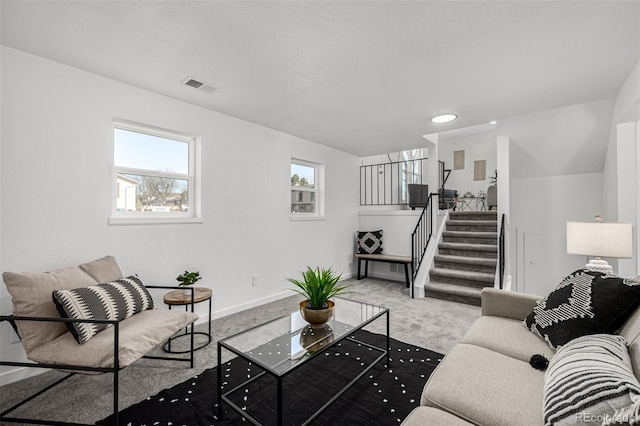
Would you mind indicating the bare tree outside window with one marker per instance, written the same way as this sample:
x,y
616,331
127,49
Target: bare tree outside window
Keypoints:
x,y
153,172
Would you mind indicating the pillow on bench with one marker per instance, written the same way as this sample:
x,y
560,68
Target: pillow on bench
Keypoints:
x,y
116,300
369,242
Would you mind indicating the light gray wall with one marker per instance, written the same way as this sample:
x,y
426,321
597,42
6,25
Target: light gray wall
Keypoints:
x,y
565,167
544,205
622,164
476,147
558,142
57,154
553,177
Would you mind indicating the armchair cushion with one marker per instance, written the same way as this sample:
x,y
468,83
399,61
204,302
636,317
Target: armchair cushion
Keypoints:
x,y
116,300
137,336
103,270
31,294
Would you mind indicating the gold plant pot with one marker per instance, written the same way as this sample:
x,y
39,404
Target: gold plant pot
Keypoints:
x,y
314,339
316,317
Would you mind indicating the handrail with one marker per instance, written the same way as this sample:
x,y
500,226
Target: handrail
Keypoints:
x,y
501,253
420,237
444,174
386,184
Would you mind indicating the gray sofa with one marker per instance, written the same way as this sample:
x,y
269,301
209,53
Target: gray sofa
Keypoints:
x,y
486,379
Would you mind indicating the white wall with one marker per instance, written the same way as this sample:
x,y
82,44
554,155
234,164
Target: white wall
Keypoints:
x,y
551,182
563,141
545,205
622,165
56,173
397,227
476,147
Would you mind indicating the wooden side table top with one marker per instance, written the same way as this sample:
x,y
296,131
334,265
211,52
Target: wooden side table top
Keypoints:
x,y
176,297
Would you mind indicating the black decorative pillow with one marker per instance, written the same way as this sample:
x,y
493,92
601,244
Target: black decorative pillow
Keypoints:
x,y
116,300
590,380
585,302
370,242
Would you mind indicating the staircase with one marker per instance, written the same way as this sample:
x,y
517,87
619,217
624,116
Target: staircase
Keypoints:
x,y
466,259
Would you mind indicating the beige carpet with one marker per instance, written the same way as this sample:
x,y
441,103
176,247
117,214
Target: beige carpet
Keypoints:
x,y
429,323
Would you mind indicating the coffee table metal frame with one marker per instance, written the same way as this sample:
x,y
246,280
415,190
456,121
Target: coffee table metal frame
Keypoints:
x,y
280,376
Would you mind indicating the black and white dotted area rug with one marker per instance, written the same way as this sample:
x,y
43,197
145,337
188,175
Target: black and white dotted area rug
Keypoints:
x,y
384,396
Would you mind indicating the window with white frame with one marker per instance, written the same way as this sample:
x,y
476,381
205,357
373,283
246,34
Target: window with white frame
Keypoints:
x,y
306,183
154,173
412,166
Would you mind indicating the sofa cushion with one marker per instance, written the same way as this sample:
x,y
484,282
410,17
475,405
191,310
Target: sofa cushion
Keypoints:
x,y
422,416
585,302
589,378
370,242
137,335
506,336
31,294
485,387
103,270
116,300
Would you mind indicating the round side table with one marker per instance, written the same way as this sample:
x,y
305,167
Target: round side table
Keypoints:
x,y
177,298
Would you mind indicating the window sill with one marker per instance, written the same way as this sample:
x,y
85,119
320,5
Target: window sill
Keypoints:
x,y
154,220
299,218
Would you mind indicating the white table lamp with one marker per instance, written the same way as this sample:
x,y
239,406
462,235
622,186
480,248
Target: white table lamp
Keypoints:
x,y
600,239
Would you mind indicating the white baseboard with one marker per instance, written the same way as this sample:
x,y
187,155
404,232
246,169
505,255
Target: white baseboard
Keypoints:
x,y
251,304
20,373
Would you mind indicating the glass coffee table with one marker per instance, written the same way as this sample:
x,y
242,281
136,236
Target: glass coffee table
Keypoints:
x,y
294,344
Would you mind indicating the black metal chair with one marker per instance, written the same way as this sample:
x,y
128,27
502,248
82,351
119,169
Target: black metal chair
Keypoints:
x,y
50,345
446,199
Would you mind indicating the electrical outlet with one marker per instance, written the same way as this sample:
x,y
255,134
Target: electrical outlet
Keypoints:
x,y
254,280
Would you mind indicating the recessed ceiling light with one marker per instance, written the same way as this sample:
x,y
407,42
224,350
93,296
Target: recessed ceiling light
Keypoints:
x,y
444,118
493,122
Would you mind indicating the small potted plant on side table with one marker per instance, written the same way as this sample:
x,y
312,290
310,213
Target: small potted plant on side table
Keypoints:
x,y
188,278
317,286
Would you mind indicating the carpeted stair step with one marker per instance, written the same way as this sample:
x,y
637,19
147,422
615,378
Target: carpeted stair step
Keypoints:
x,y
472,225
462,278
469,237
453,293
489,251
471,215
465,263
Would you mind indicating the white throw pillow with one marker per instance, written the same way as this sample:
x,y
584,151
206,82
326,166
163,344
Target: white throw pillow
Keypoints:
x,y
590,381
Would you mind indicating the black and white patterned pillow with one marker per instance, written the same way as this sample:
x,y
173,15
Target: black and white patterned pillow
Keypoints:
x,y
590,380
370,242
116,300
585,302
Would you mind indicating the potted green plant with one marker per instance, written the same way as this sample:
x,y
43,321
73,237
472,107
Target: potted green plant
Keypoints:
x,y
188,278
317,287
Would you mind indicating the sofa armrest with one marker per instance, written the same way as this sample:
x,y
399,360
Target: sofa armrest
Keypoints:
x,y
507,304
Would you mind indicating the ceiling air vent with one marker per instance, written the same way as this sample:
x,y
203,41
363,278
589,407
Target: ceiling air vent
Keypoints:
x,y
200,85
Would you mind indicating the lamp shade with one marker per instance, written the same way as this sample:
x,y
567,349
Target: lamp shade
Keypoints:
x,y
601,239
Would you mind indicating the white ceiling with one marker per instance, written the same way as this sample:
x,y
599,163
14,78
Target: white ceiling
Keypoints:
x,y
361,76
